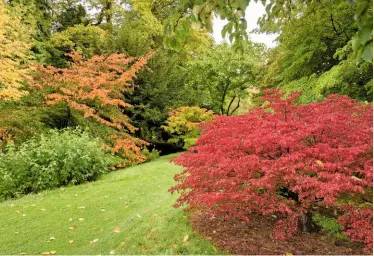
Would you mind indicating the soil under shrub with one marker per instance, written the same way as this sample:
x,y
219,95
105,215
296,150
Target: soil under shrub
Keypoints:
x,y
255,238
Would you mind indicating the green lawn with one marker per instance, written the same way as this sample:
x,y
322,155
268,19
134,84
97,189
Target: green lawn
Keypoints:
x,y
126,212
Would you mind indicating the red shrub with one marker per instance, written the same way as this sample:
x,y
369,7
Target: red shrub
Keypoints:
x,y
284,160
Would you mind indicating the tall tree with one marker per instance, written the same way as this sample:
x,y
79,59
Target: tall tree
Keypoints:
x,y
14,46
221,77
277,11
315,54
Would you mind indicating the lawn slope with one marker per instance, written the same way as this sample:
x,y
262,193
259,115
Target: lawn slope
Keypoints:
x,y
126,212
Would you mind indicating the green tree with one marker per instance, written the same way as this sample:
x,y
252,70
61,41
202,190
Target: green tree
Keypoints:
x,y
278,12
315,53
221,77
69,13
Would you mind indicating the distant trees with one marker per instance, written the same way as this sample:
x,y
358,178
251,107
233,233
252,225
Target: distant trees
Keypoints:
x,y
221,77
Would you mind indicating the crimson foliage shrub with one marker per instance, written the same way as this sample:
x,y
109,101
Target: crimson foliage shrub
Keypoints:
x,y
285,160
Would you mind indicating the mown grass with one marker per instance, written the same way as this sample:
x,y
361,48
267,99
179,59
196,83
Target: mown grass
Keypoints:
x,y
83,219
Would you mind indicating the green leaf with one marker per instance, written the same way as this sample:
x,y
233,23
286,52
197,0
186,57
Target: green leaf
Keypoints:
x,y
364,34
367,53
355,43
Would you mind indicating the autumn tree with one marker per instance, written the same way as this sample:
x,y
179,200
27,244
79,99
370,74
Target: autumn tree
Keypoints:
x,y
95,88
285,160
14,45
183,123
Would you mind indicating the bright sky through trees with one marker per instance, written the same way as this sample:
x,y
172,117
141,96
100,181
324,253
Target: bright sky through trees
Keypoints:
x,y
254,11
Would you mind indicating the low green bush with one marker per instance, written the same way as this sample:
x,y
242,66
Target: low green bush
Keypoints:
x,y
53,159
150,155
330,226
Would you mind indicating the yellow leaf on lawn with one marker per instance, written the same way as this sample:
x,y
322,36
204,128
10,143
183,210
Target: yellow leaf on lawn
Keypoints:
x,y
72,227
53,252
18,212
288,254
42,209
123,244
46,253
71,241
81,219
185,238
117,230
153,230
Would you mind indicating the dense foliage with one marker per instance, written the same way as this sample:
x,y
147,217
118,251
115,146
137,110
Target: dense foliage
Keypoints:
x,y
278,12
285,160
221,77
51,160
14,37
315,54
94,87
183,123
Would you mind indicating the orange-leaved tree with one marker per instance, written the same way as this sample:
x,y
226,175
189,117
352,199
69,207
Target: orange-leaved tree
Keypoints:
x,y
95,88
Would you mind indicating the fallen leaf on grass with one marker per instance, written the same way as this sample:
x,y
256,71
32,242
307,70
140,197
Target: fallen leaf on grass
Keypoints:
x,y
117,230
143,248
72,227
123,244
18,212
81,219
49,253
71,241
93,241
42,209
112,252
52,238
185,238
153,230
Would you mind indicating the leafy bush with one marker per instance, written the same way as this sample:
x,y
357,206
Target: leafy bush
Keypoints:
x,y
54,159
150,155
184,123
285,162
329,225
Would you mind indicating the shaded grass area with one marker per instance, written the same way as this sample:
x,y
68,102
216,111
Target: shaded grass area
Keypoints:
x,y
126,212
